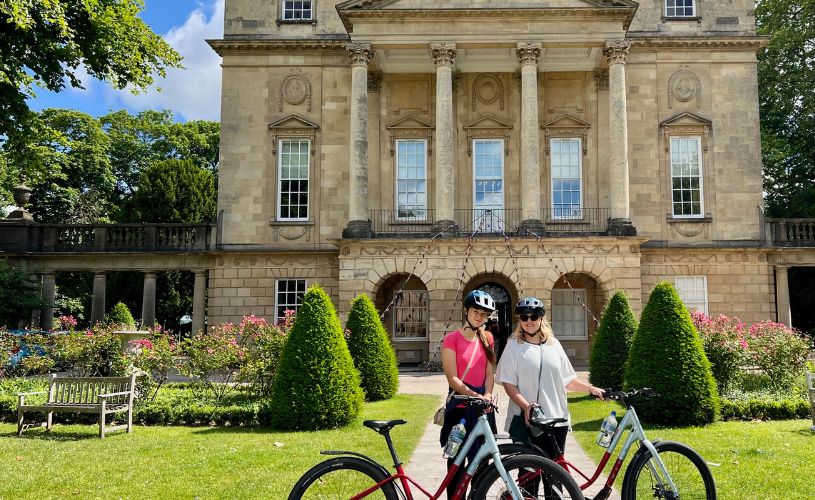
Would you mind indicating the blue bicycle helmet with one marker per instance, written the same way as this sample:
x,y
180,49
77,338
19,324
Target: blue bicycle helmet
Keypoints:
x,y
480,300
530,305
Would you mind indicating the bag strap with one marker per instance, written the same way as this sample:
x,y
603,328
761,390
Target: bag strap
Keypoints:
x,y
467,369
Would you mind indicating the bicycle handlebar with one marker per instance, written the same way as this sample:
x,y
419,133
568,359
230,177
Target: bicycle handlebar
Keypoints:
x,y
475,401
624,396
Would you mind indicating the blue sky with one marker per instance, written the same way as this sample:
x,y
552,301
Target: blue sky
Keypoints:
x,y
192,93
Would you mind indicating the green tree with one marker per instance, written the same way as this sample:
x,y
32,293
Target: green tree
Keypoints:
x,y
371,350
19,294
174,191
317,386
787,106
64,160
45,43
609,352
120,316
667,355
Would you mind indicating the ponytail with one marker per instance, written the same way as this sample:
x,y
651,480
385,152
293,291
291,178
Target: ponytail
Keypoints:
x,y
488,349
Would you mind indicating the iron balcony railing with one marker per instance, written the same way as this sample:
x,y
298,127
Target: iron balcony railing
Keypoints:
x,y
420,222
20,237
792,232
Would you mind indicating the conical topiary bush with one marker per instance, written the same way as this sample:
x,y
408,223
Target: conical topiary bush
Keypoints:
x,y
371,350
609,352
120,316
317,386
667,355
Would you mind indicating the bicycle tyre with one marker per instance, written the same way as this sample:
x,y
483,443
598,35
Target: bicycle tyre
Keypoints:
x,y
492,487
688,470
341,478
506,450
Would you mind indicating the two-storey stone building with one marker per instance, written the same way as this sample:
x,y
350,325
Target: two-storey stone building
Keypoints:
x,y
415,150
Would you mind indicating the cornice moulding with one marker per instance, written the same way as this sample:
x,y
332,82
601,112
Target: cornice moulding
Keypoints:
x,y
697,42
227,46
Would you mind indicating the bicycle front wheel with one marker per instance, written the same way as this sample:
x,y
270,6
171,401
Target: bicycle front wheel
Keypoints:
x,y
340,479
536,477
688,471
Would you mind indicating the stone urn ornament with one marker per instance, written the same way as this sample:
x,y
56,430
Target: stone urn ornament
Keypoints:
x,y
22,194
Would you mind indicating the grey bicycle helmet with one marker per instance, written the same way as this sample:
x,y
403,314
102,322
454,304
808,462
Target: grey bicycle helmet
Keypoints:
x,y
480,300
530,305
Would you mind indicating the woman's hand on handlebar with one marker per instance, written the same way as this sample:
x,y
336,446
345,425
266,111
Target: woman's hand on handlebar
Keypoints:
x,y
597,392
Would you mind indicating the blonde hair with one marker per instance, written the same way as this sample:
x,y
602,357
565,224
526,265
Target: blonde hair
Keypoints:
x,y
545,330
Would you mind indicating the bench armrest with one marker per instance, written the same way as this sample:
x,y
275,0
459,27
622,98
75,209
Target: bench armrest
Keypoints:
x,y
31,393
112,394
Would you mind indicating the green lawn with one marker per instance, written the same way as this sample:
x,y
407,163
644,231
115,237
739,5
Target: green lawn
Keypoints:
x,y
191,462
749,460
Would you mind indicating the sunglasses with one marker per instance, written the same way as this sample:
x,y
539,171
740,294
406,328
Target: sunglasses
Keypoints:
x,y
529,317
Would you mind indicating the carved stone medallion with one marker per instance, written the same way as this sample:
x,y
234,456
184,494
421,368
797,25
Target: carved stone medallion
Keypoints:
x,y
295,90
488,88
684,86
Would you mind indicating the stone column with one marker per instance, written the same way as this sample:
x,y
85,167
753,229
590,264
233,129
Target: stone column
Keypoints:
x,y
98,303
148,302
199,301
359,224
782,295
48,293
444,56
529,55
616,52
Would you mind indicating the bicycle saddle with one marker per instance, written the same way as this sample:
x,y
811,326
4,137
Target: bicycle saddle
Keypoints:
x,y
383,425
546,423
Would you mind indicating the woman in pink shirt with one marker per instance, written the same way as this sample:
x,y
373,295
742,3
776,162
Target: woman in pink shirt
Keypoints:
x,y
468,358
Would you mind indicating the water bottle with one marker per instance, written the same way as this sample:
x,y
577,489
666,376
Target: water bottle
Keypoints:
x,y
457,434
607,429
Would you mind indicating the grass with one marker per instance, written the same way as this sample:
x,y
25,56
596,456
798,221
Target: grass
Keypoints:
x,y
771,459
191,462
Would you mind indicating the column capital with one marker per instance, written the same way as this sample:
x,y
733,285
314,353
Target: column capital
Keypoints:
x,y
528,52
616,51
444,53
783,268
360,53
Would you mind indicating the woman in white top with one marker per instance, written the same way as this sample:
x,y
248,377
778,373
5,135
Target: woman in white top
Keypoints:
x,y
535,371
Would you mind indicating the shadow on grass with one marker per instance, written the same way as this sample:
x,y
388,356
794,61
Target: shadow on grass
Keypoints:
x,y
236,430
54,435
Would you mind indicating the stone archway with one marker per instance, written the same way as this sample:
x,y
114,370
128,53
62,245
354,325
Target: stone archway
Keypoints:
x,y
407,318
503,292
574,327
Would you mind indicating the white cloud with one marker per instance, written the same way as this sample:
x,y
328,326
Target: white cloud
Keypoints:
x,y
193,93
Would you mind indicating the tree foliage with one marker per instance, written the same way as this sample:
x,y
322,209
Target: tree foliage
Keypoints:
x,y
667,356
119,316
174,191
787,104
371,350
19,294
609,351
317,386
50,43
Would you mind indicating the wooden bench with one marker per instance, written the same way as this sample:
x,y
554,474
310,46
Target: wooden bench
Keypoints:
x,y
100,395
811,394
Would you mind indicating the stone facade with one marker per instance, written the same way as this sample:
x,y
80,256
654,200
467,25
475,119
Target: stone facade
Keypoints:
x,y
620,79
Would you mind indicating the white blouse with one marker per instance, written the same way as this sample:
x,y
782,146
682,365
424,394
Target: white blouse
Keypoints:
x,y
541,373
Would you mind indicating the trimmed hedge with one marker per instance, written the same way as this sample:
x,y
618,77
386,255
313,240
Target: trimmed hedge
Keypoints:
x,y
371,350
764,407
120,315
609,352
667,355
317,386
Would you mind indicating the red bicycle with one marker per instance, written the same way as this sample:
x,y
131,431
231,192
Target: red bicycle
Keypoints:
x,y
659,469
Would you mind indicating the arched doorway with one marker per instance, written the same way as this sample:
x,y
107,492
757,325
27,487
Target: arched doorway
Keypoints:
x,y
501,326
407,319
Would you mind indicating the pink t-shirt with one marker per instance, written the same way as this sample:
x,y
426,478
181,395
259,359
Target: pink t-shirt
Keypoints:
x,y
464,349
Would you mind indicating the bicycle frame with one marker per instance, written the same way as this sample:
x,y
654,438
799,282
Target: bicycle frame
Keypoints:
x,y
630,421
489,448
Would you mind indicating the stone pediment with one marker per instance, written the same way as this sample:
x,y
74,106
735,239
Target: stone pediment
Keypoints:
x,y
685,120
461,4
293,122
567,122
487,122
409,123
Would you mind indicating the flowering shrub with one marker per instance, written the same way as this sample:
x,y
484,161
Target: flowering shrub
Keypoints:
x,y
95,352
35,354
156,357
779,351
8,348
67,323
725,347
263,344
213,359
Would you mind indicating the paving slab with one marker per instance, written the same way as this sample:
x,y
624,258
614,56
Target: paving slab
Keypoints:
x,y
428,466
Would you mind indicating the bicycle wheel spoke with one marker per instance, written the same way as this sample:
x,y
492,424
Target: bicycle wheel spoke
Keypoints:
x,y
341,484
684,474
